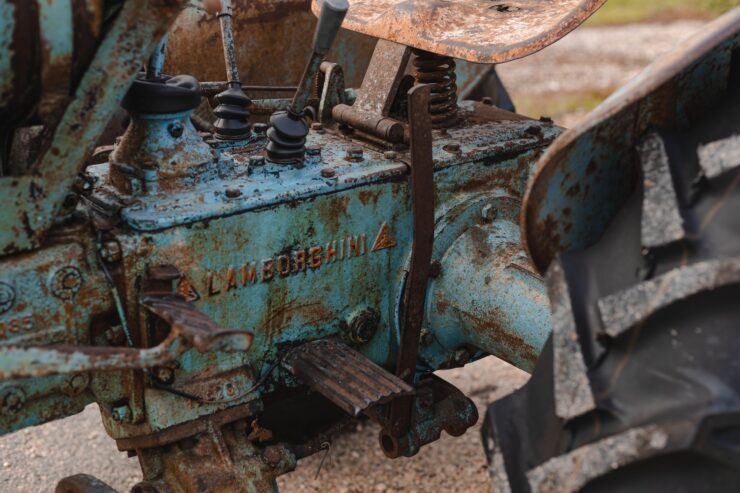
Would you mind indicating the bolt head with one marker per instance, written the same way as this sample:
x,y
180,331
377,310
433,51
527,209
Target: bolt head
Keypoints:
x,y
364,325
488,213
176,129
317,127
256,160
313,151
259,128
390,154
328,173
452,148
110,251
122,414
488,101
354,153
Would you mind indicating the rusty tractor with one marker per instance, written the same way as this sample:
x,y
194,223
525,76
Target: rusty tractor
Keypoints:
x,y
238,228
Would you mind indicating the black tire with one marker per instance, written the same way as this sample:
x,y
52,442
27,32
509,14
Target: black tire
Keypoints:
x,y
638,387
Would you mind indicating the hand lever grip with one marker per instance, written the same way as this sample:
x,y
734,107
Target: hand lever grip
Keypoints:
x,y
330,20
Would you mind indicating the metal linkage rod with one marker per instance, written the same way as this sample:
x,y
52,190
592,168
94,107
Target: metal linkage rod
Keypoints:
x,y
156,60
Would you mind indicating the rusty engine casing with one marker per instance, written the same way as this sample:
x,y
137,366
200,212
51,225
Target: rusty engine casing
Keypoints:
x,y
226,309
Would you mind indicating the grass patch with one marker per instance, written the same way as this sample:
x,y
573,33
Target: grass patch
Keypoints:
x,y
628,11
558,104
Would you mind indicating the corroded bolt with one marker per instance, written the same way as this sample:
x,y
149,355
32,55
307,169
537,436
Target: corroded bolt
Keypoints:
x,y
317,127
461,356
164,374
363,326
426,337
390,154
354,153
488,101
176,129
273,455
233,193
75,384
110,251
328,173
122,414
452,148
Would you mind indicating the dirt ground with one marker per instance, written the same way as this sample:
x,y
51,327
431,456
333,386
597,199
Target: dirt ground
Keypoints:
x,y
592,61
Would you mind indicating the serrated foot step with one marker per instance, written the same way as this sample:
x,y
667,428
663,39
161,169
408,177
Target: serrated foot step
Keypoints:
x,y
344,376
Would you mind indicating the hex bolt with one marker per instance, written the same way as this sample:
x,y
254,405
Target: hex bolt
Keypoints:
x,y
364,325
260,128
164,374
176,129
110,251
488,213
390,154
487,100
122,414
452,148
328,173
233,193
354,153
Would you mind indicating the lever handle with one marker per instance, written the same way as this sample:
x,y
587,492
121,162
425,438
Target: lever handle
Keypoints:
x,y
330,20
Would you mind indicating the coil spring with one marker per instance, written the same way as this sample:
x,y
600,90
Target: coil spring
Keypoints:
x,y
439,71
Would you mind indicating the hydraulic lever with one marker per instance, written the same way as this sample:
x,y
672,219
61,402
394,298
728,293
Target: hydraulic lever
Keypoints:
x,y
288,129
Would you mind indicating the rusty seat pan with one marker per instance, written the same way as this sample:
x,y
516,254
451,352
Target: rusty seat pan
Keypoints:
x,y
484,31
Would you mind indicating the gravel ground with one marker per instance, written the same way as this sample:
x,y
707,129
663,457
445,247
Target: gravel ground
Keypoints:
x,y
591,59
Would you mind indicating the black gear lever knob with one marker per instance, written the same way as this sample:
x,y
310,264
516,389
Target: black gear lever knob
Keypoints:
x,y
288,128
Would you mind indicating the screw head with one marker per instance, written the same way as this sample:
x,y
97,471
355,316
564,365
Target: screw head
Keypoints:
x,y
328,173
176,129
354,153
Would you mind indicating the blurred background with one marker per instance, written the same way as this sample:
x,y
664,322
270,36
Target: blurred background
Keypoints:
x,y
567,80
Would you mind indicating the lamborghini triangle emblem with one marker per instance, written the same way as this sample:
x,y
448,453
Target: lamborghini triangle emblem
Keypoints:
x,y
385,238
186,289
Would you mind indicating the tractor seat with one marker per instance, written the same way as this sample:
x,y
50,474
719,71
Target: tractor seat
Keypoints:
x,y
483,31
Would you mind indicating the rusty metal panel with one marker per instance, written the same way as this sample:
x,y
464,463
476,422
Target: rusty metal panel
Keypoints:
x,y
474,30
587,174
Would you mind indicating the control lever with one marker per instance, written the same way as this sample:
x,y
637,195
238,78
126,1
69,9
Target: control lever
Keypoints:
x,y
232,114
288,128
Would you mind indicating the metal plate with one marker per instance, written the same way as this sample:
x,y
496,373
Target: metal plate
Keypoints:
x,y
483,31
586,175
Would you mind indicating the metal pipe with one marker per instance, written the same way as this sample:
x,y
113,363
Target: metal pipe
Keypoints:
x,y
227,38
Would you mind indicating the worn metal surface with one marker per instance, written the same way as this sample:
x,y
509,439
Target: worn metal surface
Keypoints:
x,y
584,177
38,198
474,30
345,377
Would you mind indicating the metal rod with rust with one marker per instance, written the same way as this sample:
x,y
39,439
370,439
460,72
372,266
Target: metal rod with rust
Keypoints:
x,y
422,197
